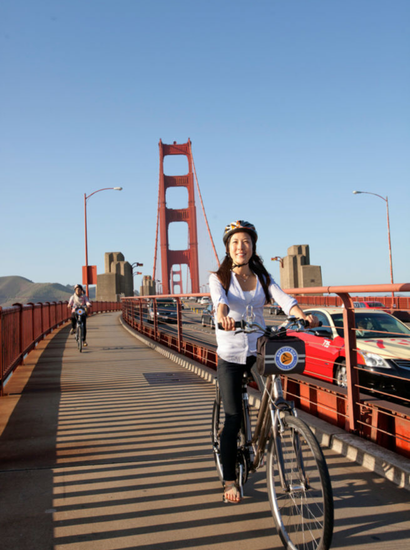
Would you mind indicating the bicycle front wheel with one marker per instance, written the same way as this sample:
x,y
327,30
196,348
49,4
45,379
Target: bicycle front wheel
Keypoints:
x,y
300,492
80,338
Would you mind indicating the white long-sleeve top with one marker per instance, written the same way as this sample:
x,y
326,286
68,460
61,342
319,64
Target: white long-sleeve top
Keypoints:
x,y
233,347
78,301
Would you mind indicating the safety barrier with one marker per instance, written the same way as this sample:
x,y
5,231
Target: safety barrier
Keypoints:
x,y
371,415
396,302
22,326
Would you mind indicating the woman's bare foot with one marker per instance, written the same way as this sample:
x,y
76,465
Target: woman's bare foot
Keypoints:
x,y
231,492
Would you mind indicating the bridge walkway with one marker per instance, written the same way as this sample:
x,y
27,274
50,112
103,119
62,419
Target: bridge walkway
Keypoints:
x,y
110,449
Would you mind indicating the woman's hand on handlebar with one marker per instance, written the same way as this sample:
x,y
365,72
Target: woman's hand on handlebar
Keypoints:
x,y
312,320
227,322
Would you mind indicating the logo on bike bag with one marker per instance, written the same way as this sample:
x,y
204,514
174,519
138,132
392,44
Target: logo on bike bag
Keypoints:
x,y
286,358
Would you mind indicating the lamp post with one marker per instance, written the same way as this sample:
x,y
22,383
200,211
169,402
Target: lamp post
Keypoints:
x,y
386,200
278,259
86,197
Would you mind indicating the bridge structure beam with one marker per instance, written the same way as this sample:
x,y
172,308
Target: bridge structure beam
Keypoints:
x,y
188,256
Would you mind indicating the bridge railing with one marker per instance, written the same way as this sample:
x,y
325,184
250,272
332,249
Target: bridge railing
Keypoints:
x,y
396,304
370,415
22,326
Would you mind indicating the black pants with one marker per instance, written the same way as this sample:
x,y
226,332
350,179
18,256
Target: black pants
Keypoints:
x,y
230,384
84,320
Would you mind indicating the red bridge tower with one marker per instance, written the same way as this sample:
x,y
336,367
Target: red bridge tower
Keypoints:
x,y
166,216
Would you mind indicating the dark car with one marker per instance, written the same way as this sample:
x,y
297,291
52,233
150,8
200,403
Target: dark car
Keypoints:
x,y
166,311
207,318
275,309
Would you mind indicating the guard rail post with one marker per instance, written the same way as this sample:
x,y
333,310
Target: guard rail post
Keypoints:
x,y
140,320
33,336
134,313
353,392
154,308
20,333
179,324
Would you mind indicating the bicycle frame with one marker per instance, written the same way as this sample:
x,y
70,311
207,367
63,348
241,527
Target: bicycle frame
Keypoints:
x,y
272,404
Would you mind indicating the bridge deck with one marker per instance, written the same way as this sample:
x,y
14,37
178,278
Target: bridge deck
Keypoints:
x,y
110,449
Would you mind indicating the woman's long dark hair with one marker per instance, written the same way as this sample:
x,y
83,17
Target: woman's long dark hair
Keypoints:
x,y
255,265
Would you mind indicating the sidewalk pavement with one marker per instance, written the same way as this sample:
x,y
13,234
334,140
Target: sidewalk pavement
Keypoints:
x,y
110,449
376,459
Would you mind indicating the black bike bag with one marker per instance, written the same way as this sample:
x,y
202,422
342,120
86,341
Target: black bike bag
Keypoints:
x,y
280,356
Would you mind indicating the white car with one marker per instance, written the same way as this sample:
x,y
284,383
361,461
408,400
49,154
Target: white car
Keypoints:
x,y
205,300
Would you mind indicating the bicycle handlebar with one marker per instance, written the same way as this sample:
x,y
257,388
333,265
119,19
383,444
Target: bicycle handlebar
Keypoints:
x,y
292,323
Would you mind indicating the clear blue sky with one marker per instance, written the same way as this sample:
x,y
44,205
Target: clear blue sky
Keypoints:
x,y
290,105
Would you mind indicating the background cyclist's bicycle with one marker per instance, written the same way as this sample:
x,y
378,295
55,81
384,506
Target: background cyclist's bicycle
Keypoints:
x,y
79,313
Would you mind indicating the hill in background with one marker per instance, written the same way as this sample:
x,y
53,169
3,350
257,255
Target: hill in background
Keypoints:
x,y
15,290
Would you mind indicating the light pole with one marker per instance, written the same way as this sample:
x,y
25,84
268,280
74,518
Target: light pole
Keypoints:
x,y
86,197
278,259
386,200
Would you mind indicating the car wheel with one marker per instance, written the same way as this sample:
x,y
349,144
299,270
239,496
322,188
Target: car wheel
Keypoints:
x,y
341,374
203,322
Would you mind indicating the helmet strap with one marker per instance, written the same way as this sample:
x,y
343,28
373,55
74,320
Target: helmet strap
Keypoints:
x,y
238,265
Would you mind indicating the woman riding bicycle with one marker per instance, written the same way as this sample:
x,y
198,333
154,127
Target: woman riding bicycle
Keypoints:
x,y
242,280
79,300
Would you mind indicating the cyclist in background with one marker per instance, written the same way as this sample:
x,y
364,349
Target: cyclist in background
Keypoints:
x,y
79,299
241,280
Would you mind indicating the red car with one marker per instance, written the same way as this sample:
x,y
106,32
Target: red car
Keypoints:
x,y
383,345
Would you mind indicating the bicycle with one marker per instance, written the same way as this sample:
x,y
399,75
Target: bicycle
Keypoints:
x,y
298,481
79,330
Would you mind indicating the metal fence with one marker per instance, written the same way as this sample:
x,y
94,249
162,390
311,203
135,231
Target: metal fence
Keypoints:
x,y
23,326
363,410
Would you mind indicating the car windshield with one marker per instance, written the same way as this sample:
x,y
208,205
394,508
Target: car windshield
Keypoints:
x,y
166,304
373,325
375,304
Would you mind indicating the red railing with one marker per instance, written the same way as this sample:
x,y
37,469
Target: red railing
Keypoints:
x,y
369,416
23,326
396,303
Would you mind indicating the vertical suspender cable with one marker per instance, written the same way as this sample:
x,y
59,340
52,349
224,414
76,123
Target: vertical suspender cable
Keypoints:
x,y
156,242
203,209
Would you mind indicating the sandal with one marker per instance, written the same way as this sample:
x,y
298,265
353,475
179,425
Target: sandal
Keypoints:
x,y
231,488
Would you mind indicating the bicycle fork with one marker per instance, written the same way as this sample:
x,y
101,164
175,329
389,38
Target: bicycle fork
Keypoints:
x,y
288,485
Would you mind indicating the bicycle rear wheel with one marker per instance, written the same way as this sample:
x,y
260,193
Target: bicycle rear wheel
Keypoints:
x,y
218,418
303,510
80,338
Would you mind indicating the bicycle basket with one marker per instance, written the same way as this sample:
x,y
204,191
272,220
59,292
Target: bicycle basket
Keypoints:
x,y
284,356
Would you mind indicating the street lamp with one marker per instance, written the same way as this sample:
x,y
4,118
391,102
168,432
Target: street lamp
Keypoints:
x,y
133,266
86,197
386,200
278,259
